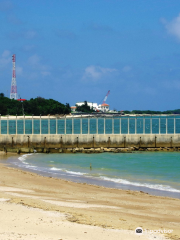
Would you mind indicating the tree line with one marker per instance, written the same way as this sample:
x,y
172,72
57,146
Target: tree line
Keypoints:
x,y
176,111
84,108
37,106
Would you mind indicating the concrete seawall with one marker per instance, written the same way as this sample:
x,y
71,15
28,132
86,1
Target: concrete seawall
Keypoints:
x,y
61,143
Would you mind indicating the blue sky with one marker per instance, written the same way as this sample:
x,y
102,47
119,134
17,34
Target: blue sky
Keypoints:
x,y
76,50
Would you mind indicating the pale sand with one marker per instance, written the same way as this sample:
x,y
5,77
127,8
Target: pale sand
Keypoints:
x,y
21,222
37,207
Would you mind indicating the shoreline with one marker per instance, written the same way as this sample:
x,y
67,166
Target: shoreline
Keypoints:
x,y
147,188
87,204
90,150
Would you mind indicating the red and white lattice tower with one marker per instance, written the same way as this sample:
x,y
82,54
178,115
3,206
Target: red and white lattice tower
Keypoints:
x,y
13,94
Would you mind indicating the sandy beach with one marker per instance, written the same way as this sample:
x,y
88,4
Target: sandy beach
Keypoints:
x,y
38,207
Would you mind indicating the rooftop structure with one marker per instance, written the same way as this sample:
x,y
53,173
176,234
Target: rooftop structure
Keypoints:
x,y
73,108
21,100
104,107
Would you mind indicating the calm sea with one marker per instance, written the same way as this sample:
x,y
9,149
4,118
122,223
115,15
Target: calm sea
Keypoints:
x,y
152,172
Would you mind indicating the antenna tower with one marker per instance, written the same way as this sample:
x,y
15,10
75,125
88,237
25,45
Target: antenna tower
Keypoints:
x,y
13,94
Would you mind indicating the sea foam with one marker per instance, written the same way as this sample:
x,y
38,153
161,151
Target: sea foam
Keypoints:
x,y
137,184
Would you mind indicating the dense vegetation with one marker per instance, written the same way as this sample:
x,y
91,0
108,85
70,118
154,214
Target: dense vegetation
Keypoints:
x,y
176,111
35,106
84,108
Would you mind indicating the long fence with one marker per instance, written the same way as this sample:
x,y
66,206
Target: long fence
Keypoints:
x,y
91,125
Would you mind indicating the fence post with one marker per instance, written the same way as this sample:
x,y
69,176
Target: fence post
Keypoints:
x,y
16,124
81,125
49,124
144,125
7,124
73,125
56,125
104,124
128,124
65,125
166,124
0,123
24,126
151,124
88,125
113,124
40,124
120,125
32,125
174,125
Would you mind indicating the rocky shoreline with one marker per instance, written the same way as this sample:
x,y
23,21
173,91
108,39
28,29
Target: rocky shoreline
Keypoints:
x,y
87,150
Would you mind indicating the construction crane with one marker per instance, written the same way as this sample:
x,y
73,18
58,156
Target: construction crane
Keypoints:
x,y
104,100
106,97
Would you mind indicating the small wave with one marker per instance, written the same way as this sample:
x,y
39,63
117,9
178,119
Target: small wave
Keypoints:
x,y
23,157
152,186
26,155
55,169
75,173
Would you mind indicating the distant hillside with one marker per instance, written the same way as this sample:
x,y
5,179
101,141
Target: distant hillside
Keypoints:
x,y
35,106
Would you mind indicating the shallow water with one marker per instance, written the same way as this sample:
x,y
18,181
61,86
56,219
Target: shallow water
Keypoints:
x,y
153,172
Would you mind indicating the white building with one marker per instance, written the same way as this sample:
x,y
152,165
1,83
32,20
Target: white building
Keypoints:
x,y
73,108
101,107
104,107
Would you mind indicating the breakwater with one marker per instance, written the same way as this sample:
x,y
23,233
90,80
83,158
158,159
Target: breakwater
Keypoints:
x,y
88,134
87,143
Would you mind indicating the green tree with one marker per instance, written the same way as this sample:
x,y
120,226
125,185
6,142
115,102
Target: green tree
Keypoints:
x,y
84,108
35,106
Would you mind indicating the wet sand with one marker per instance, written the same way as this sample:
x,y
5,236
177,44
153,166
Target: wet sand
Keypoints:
x,y
39,207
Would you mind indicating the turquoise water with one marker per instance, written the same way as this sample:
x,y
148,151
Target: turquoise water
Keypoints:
x,y
121,125
154,171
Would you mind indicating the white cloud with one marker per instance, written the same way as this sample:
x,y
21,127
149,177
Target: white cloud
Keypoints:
x,y
97,72
28,47
175,84
126,69
173,27
163,20
30,34
12,18
99,27
6,53
19,70
5,58
26,34
35,63
149,90
34,60
45,73
6,5
65,34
